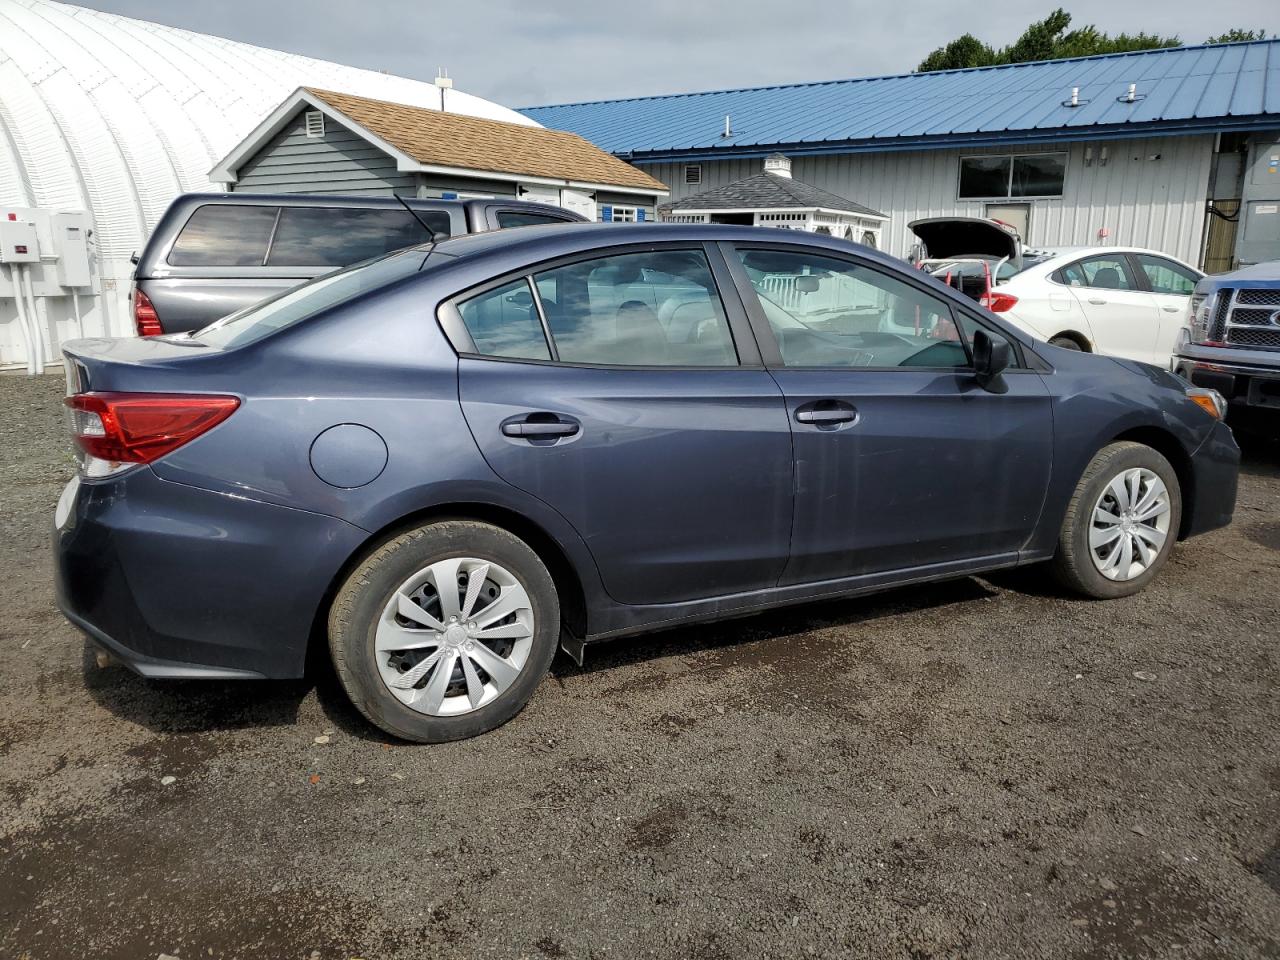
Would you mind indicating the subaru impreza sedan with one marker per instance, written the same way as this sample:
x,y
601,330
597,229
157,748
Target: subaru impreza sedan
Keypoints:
x,y
445,463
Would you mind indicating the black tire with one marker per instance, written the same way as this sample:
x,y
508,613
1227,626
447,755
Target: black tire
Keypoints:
x,y
1073,564
354,616
1066,343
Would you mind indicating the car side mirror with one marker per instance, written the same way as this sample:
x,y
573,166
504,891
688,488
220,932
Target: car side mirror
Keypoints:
x,y
991,358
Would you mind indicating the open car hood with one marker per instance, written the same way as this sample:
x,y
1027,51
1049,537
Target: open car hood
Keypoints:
x,y
947,237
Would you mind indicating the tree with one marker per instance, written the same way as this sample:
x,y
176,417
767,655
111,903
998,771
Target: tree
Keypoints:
x,y
1047,39
1235,36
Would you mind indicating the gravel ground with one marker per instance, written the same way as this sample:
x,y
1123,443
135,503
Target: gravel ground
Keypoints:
x,y
959,770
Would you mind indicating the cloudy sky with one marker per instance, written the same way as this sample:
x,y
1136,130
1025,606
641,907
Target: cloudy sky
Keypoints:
x,y
553,51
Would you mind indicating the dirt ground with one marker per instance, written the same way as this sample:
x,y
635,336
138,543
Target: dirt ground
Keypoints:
x,y
969,769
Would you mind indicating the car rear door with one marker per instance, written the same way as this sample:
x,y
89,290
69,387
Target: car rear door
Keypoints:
x,y
1123,316
902,461
1171,285
666,445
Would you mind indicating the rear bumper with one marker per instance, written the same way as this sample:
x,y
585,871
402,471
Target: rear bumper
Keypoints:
x,y
181,582
1215,468
1243,384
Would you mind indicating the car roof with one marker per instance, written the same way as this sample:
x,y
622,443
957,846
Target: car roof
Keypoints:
x,y
345,200
1051,258
562,239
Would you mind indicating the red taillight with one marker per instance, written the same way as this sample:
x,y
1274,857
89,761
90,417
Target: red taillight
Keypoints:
x,y
141,427
998,302
145,317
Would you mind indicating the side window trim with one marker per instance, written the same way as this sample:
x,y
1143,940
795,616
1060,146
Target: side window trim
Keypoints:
x,y
552,349
764,334
1142,283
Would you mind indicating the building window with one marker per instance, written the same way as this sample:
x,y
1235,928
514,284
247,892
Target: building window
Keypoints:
x,y
615,214
692,173
315,124
1001,177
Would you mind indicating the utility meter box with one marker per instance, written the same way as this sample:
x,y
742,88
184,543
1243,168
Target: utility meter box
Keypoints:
x,y
71,244
18,243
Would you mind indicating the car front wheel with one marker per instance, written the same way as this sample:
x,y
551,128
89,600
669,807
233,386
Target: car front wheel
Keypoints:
x,y
1121,524
445,631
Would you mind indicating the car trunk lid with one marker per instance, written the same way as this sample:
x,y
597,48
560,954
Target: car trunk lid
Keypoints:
x,y
945,238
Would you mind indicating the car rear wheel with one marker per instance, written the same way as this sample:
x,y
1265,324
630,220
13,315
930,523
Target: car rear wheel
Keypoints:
x,y
1066,343
445,631
1121,524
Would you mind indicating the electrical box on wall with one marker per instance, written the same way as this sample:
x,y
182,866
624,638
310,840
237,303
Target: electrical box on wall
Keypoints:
x,y
18,243
71,245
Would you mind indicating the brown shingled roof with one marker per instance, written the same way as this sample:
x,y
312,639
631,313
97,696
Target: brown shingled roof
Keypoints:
x,y
453,140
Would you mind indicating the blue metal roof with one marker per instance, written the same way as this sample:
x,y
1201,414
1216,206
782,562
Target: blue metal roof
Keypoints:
x,y
1210,87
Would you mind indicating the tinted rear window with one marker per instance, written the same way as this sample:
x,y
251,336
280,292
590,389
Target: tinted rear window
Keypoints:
x,y
224,235
335,237
307,300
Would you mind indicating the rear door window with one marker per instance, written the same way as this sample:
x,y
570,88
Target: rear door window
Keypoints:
x,y
658,309
224,235
1101,273
336,237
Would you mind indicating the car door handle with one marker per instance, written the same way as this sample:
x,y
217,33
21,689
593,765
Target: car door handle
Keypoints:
x,y
1097,301
1168,309
539,429
827,413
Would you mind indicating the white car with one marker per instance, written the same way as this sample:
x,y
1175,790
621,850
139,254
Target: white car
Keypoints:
x,y
1122,301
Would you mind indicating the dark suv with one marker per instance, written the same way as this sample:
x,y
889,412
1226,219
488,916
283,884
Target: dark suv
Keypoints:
x,y
214,254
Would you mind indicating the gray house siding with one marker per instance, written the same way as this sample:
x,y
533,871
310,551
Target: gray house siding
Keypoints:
x,y
340,162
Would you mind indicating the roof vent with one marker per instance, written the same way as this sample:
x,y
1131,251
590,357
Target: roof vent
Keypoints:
x,y
1133,96
314,124
693,173
778,164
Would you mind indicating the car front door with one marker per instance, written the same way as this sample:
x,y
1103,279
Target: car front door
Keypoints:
x,y
902,461
1171,284
1123,316
658,434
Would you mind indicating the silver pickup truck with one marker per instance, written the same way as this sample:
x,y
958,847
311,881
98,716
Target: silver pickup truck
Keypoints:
x,y
1232,340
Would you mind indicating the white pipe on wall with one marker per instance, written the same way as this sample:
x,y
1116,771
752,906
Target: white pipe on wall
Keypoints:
x,y
33,317
75,306
20,302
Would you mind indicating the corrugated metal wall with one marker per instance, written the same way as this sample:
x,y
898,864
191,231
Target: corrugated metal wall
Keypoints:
x,y
1142,202
338,162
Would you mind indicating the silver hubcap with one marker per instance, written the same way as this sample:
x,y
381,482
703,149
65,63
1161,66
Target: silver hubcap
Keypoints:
x,y
1130,524
454,636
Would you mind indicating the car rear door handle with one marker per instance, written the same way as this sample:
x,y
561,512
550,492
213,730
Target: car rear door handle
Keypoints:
x,y
1098,301
826,413
1168,309
530,429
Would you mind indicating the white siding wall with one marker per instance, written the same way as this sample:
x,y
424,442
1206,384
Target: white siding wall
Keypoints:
x,y
1149,203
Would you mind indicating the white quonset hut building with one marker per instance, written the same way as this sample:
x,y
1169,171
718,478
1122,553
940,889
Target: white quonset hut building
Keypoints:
x,y
103,120
1174,149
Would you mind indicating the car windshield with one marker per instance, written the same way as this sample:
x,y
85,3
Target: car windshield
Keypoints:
x,y
297,304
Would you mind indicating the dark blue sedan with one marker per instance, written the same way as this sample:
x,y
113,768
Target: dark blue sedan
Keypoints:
x,y
447,462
